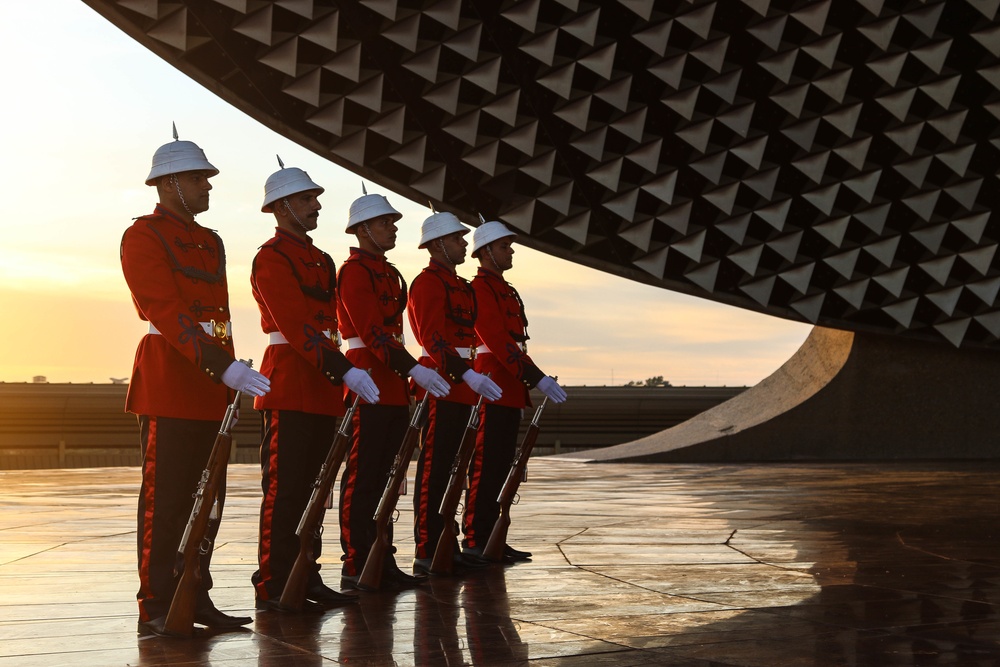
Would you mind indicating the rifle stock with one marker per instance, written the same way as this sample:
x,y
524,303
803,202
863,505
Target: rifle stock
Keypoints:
x,y
443,563
194,543
508,494
371,575
293,595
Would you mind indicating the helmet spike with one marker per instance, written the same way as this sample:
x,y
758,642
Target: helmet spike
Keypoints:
x,y
174,123
280,163
431,204
482,219
364,191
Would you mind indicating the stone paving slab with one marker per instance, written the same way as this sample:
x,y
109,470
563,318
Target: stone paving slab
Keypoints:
x,y
634,564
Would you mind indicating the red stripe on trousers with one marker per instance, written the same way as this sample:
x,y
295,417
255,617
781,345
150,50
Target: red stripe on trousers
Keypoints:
x,y
148,473
475,472
349,482
423,534
267,513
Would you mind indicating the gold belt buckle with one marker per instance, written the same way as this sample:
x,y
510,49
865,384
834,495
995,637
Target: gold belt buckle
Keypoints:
x,y
219,329
472,352
399,338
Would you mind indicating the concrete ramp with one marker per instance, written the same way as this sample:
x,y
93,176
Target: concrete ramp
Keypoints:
x,y
845,396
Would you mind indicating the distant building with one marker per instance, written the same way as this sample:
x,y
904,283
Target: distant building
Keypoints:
x,y
40,379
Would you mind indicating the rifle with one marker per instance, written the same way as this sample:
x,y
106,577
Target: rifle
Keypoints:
x,y
508,494
194,542
371,575
310,528
444,553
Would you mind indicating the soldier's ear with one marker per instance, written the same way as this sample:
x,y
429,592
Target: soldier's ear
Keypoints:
x,y
162,183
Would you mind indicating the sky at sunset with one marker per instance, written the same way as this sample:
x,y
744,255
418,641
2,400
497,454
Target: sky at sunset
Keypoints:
x,y
85,108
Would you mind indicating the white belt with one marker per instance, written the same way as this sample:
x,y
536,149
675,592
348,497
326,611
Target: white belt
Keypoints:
x,y
482,349
356,342
464,352
212,328
277,338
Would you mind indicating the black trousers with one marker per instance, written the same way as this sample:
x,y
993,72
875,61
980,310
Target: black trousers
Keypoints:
x,y
495,449
378,431
293,447
174,454
441,437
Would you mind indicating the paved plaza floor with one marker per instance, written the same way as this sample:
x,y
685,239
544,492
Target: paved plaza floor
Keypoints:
x,y
634,564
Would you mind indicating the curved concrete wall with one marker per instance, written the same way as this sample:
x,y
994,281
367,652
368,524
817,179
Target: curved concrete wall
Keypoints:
x,y
845,396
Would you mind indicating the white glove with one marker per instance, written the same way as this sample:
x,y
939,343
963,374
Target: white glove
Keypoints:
x,y
551,388
241,377
361,384
430,380
482,385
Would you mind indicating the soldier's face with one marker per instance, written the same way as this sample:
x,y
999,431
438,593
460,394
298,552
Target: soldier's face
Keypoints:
x,y
192,187
502,253
383,231
301,210
455,246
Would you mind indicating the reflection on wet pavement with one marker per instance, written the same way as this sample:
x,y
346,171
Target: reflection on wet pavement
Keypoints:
x,y
656,564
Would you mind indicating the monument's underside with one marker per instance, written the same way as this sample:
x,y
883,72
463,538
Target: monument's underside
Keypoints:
x,y
833,162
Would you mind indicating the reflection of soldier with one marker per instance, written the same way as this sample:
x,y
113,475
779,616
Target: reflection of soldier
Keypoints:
x,y
435,631
294,283
493,637
157,651
301,631
184,370
367,637
501,331
442,312
372,301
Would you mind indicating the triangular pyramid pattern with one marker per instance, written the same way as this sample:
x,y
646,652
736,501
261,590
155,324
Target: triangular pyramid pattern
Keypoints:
x,y
831,160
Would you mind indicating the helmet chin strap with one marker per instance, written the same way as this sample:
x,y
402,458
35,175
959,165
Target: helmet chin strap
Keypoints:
x,y
440,244
177,186
489,251
371,238
288,207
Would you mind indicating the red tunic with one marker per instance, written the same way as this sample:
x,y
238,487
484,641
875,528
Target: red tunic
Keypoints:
x,y
176,272
372,301
442,312
502,327
294,284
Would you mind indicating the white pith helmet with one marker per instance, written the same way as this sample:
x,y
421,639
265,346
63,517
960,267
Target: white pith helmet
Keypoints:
x,y
438,225
369,206
178,156
487,233
285,182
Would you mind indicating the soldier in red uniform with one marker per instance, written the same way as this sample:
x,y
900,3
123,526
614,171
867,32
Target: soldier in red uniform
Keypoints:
x,y
372,301
502,336
183,374
294,283
442,312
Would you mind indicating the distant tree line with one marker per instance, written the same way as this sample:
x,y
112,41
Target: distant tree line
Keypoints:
x,y
656,381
